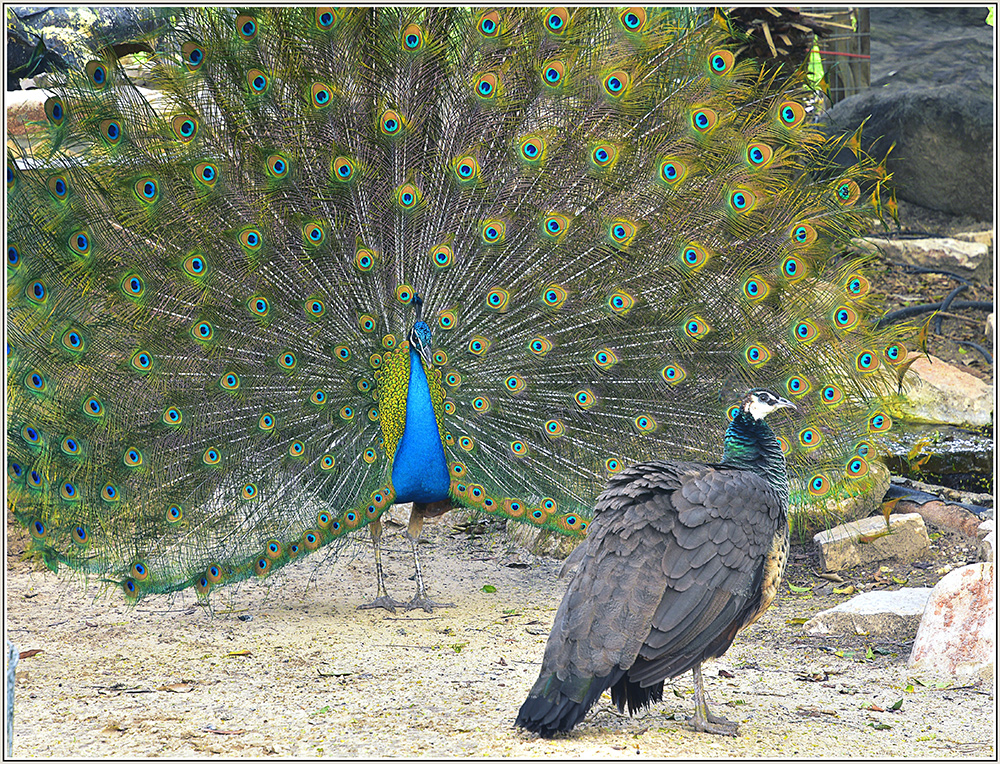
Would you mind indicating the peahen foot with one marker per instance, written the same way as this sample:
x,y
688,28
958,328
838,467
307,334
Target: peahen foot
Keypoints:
x,y
704,720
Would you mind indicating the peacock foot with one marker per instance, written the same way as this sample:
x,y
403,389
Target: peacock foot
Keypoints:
x,y
428,605
715,725
384,601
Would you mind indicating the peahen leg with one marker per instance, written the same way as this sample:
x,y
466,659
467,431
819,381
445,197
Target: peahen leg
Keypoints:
x,y
382,598
416,524
704,720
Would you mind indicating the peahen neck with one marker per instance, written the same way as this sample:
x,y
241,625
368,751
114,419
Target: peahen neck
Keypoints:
x,y
750,445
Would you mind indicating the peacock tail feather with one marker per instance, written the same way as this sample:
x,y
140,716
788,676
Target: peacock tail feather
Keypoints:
x,y
612,225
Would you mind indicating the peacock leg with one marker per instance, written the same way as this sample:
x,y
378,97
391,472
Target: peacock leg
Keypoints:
x,y
382,598
704,720
420,599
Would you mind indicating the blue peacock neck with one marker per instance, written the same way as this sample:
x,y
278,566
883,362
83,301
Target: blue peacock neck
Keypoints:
x,y
751,445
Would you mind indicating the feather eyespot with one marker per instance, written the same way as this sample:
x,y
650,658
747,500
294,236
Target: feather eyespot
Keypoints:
x,y
819,485
193,55
673,374
616,84
489,24
866,362
759,154
879,423
206,173
146,190
721,62
553,73
585,398
554,296
672,171
344,169
325,18
633,19
320,95
73,341
620,303
258,82
54,111
846,318
605,358
755,289
407,196
390,124
696,327
693,257
58,187
481,404
466,169
172,416
603,155
704,119
556,20
894,353
756,354
645,424
805,331
742,200
621,232
791,114
111,132
856,467
246,26
185,128
174,513
413,38
554,226
80,243
798,385
364,260
831,395
266,423
532,149
286,361
497,299
493,231
229,382
486,85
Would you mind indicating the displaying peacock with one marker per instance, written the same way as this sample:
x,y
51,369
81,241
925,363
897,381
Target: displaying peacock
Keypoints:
x,y
460,257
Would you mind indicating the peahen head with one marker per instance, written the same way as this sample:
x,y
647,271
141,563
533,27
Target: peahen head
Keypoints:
x,y
420,335
759,402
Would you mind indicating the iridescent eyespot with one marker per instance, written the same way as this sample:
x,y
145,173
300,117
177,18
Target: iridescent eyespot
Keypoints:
x,y
644,424
805,331
342,352
554,226
489,24
93,407
616,84
367,323
493,231
325,18
621,232
80,243
364,260
633,19
453,379
266,422
856,467
791,114
755,288
142,361
539,346
466,169
672,171
172,416
247,27
110,492
58,187
759,154
866,362
742,200
296,449
70,446
485,85
819,485
258,305
704,119
793,269
857,285
13,256
111,132
756,355
408,196
195,265
605,358
390,123
251,239
73,341
286,361
554,296
831,395
321,95
413,38
554,428
55,111
672,373
809,438
174,513
721,61
585,398
206,173
553,73
344,169
97,73
894,353
193,55
696,327
603,155
202,331
447,320
798,385
466,443
613,466
478,345
514,384
229,381
620,303
556,20
185,128
845,317
879,422
848,192
313,234
481,404
212,456
532,149
31,435
497,299
314,308
257,81
146,190
36,293
693,257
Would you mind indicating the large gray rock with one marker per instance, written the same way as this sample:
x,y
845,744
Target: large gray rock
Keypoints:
x,y
892,615
958,632
935,391
931,95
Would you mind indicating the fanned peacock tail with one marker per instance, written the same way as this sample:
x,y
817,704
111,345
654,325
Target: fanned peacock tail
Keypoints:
x,y
610,222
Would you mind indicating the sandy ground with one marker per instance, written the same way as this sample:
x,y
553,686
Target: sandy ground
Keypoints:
x,y
293,669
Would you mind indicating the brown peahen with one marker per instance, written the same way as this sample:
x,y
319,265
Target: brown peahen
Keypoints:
x,y
681,556
458,257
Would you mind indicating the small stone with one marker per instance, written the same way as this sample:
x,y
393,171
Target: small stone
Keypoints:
x,y
958,632
851,544
940,252
938,392
893,615
987,540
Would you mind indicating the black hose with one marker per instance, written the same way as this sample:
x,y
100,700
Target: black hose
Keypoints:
x,y
980,348
945,305
916,310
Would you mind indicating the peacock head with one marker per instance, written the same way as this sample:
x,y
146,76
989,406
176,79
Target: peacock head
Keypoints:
x,y
420,335
759,402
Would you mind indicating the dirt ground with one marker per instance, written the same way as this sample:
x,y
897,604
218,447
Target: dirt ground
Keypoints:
x,y
293,669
